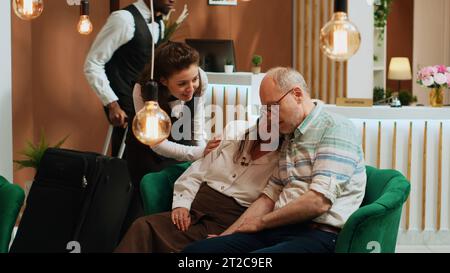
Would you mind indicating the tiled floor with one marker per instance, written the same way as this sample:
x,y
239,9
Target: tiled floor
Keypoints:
x,y
400,248
423,249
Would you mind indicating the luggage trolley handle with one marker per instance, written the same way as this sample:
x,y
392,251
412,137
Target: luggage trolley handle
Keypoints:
x,y
108,141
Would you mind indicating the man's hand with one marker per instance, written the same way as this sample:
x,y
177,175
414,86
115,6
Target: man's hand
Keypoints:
x,y
225,233
212,144
228,231
117,117
181,218
251,225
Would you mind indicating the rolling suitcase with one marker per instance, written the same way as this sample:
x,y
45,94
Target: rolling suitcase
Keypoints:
x,y
77,203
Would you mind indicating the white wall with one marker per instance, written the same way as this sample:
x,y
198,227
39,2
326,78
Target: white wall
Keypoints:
x,y
360,66
431,39
6,167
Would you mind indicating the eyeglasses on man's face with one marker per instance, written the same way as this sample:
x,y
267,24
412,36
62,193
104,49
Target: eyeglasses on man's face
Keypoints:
x,y
270,106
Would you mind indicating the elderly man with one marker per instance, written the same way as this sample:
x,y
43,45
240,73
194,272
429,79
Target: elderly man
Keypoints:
x,y
321,178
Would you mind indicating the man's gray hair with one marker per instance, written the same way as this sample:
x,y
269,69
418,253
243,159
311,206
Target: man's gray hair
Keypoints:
x,y
287,78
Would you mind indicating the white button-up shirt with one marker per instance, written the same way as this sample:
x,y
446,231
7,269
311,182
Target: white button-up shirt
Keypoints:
x,y
118,30
244,180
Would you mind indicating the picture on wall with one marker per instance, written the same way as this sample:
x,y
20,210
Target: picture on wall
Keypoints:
x,y
223,2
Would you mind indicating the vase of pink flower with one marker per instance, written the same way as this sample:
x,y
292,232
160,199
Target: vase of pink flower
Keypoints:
x,y
437,79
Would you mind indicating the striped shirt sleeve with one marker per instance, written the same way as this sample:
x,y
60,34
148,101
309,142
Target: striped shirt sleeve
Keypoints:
x,y
273,189
337,158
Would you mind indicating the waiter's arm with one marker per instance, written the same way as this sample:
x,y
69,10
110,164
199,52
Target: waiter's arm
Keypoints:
x,y
118,30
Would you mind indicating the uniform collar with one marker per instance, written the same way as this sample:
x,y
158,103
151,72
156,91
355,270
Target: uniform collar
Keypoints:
x,y
309,120
143,9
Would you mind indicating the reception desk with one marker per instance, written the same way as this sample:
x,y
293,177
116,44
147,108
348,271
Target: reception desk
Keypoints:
x,y
412,140
416,142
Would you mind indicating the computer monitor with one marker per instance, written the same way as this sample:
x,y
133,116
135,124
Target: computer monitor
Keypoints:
x,y
214,53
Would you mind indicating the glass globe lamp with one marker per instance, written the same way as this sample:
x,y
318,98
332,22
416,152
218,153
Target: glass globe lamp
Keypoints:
x,y
28,9
340,39
152,125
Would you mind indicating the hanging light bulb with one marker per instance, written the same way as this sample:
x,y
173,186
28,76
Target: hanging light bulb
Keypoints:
x,y
339,38
28,9
84,25
151,125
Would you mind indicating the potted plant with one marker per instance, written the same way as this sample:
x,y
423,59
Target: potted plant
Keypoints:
x,y
378,95
382,8
32,156
229,67
256,61
406,98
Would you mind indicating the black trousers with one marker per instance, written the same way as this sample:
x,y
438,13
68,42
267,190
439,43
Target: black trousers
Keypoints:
x,y
298,238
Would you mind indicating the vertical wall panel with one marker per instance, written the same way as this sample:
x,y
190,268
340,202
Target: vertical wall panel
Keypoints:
x,y
326,79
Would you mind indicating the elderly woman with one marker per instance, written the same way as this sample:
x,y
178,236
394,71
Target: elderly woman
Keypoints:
x,y
210,198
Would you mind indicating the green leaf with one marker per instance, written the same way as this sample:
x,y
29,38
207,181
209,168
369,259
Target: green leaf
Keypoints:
x,y
22,164
43,145
31,146
33,153
257,60
61,142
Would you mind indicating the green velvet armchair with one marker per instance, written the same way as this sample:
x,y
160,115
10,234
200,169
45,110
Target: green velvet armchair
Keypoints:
x,y
157,188
372,228
11,201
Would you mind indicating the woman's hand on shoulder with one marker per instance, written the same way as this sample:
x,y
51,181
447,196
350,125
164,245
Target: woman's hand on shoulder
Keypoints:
x,y
212,145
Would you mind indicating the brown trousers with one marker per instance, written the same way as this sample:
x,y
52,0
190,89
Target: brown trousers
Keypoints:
x,y
211,213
